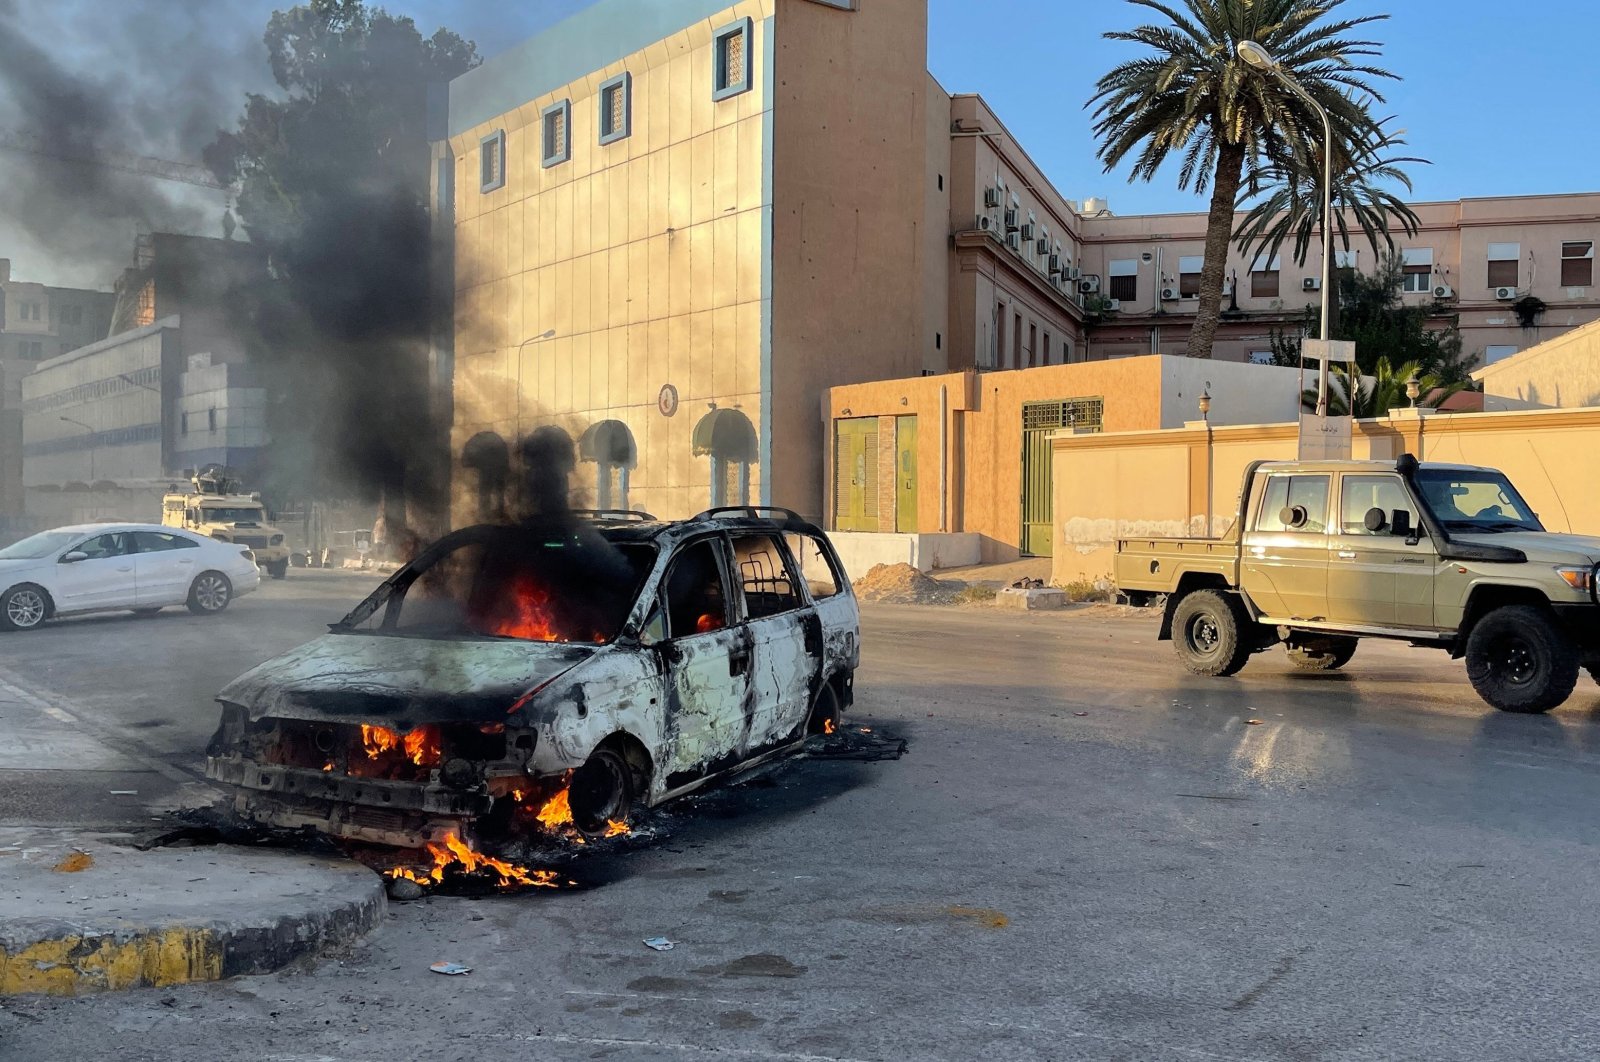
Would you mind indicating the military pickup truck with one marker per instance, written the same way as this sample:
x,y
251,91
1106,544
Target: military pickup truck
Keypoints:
x,y
1323,554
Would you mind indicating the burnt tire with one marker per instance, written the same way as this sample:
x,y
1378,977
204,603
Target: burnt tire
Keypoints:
x,y
1520,660
825,711
1208,631
601,791
1332,655
24,607
209,593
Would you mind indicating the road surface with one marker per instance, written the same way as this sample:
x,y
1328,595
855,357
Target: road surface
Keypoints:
x,y
1086,854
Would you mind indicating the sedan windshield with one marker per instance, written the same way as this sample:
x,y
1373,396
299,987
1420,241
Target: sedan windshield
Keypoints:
x,y
35,547
1463,500
508,583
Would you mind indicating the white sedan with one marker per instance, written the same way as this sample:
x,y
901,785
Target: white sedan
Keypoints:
x,y
106,567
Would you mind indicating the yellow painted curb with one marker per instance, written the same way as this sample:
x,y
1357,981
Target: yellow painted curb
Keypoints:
x,y
74,966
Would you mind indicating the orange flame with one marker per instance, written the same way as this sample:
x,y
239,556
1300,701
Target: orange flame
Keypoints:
x,y
828,727
557,811
421,746
457,853
526,613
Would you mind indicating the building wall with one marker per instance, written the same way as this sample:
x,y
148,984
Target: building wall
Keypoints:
x,y
645,258
983,416
222,417
1563,372
849,166
1154,483
114,389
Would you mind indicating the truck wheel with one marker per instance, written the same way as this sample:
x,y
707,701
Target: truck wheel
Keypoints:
x,y
1208,632
1333,654
1520,661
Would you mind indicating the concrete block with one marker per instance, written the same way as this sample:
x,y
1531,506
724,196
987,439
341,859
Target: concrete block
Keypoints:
x,y
1032,600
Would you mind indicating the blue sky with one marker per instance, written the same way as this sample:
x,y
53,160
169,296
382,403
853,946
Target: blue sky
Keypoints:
x,y
1501,97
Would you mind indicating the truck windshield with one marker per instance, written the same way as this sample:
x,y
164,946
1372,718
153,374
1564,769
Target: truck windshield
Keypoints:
x,y
1463,500
231,516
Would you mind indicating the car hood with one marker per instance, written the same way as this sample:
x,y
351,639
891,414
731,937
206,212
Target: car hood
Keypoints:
x,y
1540,546
400,682
14,567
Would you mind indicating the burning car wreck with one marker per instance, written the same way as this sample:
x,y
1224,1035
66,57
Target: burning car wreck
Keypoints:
x,y
518,682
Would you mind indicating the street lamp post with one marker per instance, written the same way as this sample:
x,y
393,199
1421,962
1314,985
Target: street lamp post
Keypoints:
x,y
1261,59
90,429
1205,414
547,334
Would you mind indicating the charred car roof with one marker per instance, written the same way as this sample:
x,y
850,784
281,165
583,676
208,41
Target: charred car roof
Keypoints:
x,y
632,525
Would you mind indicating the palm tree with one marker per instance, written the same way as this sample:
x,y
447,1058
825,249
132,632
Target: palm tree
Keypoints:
x,y
1384,391
1290,203
1195,98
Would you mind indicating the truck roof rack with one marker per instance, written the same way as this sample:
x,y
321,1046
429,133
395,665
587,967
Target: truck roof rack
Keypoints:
x,y
638,516
753,512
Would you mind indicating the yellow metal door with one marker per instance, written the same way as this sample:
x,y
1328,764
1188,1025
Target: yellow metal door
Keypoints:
x,y
855,474
905,474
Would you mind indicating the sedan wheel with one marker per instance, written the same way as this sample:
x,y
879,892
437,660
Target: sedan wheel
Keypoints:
x,y
23,608
210,593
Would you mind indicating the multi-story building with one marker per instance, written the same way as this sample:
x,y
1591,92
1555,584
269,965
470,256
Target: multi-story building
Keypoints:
x,y
36,322
170,389
673,224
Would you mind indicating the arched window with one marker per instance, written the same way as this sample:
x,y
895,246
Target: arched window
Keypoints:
x,y
727,436
548,458
609,444
488,456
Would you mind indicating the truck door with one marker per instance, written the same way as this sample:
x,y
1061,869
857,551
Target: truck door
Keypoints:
x,y
1374,577
1285,565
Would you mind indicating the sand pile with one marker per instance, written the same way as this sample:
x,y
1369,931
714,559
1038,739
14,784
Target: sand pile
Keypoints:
x,y
901,584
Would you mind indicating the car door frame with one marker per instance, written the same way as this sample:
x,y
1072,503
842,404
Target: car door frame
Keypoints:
x,y
1285,571
1392,568
700,740
787,646
107,567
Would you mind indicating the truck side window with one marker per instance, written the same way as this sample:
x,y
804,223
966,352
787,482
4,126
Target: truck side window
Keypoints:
x,y
1360,493
1287,492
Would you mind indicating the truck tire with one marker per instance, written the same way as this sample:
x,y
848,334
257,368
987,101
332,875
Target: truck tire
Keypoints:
x,y
1208,633
1519,660
278,569
1334,655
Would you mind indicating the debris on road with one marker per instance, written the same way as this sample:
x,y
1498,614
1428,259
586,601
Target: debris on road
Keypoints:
x,y
902,584
660,944
450,969
78,860
1252,722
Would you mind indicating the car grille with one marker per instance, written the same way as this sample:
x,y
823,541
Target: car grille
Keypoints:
x,y
253,541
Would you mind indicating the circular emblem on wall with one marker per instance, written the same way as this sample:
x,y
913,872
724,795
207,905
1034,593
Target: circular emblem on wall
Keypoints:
x,y
667,400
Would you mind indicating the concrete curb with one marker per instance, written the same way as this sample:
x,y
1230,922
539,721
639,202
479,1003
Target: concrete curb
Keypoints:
x,y
81,913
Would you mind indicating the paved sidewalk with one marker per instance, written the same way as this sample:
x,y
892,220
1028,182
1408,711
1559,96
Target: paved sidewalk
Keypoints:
x,y
84,912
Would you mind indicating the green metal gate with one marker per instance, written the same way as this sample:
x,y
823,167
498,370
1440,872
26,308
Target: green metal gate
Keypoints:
x,y
905,469
1040,420
855,474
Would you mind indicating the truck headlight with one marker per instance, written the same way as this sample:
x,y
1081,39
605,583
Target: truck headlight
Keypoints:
x,y
1578,578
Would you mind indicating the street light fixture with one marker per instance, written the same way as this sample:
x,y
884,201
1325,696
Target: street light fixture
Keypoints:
x,y
1261,59
90,429
549,333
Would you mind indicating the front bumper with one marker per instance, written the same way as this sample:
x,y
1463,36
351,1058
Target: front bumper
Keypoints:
x,y
1582,621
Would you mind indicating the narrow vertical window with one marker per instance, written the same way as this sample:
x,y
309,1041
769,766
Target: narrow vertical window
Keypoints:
x,y
492,161
731,60
616,108
555,123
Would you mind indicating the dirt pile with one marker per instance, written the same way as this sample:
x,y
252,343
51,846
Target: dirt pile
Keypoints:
x,y
901,584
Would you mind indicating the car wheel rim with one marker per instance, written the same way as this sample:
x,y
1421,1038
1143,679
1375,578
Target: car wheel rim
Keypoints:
x,y
1517,662
1204,634
211,593
25,608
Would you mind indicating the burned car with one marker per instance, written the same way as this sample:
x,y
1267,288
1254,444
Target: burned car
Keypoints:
x,y
557,675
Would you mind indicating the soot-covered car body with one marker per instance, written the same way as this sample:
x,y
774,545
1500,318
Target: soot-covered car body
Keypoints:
x,y
515,678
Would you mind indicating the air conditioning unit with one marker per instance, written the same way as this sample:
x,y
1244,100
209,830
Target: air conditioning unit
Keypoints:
x,y
1073,274
1011,221
1169,294
1042,247
1055,265
984,223
1113,305
991,197
1012,241
1505,294
1444,291
1089,285
1027,233
1311,284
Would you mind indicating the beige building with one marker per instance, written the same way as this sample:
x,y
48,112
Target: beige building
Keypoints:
x,y
1560,373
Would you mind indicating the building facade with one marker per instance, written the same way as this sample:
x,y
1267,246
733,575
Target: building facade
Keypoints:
x,y
36,322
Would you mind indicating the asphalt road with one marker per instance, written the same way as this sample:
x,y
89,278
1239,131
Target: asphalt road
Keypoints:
x,y
1086,854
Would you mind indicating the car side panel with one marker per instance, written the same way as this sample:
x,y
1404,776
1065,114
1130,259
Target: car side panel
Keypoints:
x,y
781,670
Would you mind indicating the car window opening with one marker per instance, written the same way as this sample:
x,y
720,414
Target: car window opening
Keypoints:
x,y
696,600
